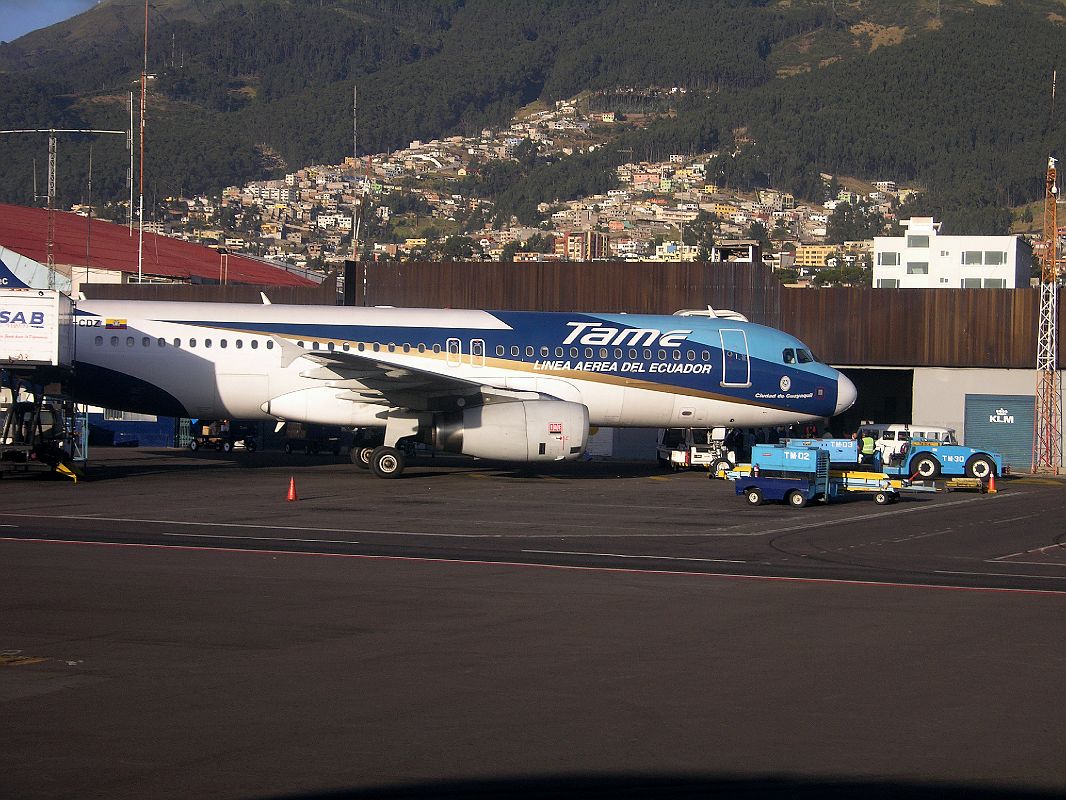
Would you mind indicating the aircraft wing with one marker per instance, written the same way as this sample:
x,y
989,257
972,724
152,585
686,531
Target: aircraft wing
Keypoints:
x,y
370,380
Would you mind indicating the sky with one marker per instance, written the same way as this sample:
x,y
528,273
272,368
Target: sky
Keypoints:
x,y
18,17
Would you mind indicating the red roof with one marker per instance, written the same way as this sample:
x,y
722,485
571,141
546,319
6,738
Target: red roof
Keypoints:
x,y
111,247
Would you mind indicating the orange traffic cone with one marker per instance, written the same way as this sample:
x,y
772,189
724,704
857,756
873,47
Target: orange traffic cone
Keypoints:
x,y
991,483
292,490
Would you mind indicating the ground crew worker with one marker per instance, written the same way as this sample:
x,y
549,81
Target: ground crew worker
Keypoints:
x,y
867,447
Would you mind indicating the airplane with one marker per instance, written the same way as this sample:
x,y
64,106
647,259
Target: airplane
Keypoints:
x,y
505,385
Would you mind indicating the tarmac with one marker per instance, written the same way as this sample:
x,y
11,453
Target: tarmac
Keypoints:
x,y
173,626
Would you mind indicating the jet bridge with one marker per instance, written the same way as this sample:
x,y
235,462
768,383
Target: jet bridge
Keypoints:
x,y
39,428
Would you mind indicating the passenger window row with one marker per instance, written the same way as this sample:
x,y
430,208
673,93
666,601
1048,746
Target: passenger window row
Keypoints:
x,y
602,352
131,341
405,347
145,341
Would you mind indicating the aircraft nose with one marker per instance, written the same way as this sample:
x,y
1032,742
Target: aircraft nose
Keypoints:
x,y
846,394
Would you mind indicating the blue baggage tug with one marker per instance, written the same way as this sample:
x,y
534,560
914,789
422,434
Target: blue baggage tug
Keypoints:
x,y
801,470
926,459
795,474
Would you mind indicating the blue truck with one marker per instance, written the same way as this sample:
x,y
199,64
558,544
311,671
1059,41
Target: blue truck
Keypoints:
x,y
926,459
801,473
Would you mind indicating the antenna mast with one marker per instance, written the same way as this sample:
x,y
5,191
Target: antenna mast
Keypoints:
x,y
356,201
1047,419
140,209
50,246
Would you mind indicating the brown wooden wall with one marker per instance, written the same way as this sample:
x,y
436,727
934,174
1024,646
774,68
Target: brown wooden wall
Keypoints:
x,y
856,327
568,286
861,327
323,294
916,327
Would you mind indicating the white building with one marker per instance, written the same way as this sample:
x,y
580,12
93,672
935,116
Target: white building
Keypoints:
x,y
923,259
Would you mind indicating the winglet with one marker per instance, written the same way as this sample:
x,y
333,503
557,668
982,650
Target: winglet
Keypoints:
x,y
266,300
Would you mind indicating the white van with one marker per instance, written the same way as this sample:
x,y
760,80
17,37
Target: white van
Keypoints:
x,y
892,438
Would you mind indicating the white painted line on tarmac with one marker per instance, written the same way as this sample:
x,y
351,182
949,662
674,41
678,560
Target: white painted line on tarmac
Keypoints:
x,y
1027,552
1031,563
248,525
862,518
258,538
1013,519
553,535
1001,574
627,555
367,531
561,567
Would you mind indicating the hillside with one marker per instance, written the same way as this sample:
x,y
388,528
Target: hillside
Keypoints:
x,y
245,89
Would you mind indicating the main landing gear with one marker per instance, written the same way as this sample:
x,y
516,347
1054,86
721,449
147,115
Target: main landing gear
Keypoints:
x,y
369,452
387,462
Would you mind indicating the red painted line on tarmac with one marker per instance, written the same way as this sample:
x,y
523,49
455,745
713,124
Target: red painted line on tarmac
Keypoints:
x,y
522,564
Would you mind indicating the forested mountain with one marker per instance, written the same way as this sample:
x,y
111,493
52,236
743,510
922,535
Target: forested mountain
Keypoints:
x,y
956,100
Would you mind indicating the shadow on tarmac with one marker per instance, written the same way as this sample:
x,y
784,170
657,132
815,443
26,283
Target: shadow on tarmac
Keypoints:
x,y
665,786
115,464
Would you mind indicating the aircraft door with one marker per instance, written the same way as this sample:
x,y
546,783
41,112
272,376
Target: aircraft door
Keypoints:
x,y
477,352
736,367
455,352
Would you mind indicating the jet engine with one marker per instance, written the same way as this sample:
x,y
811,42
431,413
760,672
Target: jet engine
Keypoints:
x,y
324,406
525,430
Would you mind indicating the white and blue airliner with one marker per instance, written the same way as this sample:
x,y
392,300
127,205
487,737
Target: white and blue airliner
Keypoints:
x,y
508,385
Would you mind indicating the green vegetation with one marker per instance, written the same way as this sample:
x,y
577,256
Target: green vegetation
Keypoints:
x,y
955,103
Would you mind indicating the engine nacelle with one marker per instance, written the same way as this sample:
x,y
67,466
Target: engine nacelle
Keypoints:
x,y
321,405
527,430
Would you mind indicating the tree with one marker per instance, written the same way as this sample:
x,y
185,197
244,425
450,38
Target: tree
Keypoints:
x,y
827,277
509,250
701,233
460,248
787,275
758,232
782,230
854,222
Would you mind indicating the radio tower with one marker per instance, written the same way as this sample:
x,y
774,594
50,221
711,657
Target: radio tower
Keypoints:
x,y
1047,419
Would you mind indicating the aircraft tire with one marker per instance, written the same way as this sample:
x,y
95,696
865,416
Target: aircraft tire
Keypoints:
x,y
360,455
387,462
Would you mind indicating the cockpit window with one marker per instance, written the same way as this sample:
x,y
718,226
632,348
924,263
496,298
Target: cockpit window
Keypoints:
x,y
805,356
789,356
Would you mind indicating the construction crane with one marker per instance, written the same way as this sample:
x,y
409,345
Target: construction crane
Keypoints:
x,y
1047,417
